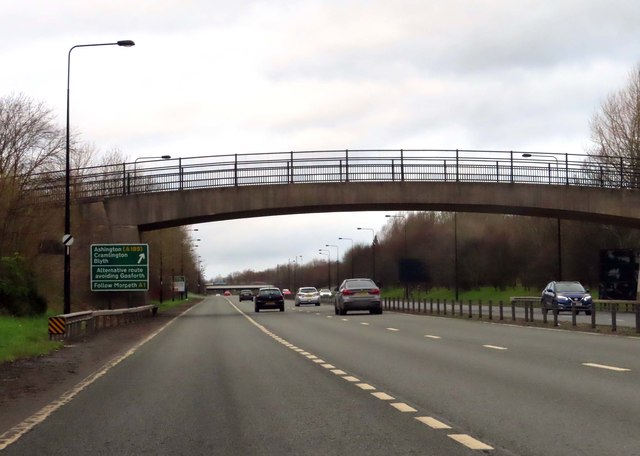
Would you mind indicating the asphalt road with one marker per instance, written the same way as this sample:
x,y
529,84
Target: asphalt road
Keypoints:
x,y
224,380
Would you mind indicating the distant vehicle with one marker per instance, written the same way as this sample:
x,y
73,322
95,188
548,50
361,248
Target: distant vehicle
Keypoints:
x,y
564,294
269,298
227,293
307,295
358,294
325,294
245,295
287,293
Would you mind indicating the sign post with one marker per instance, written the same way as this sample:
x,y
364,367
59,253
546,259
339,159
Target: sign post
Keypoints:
x,y
119,267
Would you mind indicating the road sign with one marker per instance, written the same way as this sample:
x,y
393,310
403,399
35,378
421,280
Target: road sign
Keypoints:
x,y
119,267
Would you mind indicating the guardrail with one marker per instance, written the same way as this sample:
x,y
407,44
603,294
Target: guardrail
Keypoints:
x,y
518,308
70,326
331,166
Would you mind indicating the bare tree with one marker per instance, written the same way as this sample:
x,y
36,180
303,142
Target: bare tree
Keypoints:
x,y
30,143
615,133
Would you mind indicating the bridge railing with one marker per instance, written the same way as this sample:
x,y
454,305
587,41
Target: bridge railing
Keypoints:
x,y
333,166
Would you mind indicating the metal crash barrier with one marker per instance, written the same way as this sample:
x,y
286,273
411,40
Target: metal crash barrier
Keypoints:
x,y
70,326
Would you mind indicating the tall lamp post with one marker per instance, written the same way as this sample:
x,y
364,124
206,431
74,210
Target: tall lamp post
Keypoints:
x,y
558,223
328,253
337,262
373,251
349,239
67,239
406,285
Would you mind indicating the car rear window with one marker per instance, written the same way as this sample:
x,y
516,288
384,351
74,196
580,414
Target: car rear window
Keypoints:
x,y
308,290
268,291
360,284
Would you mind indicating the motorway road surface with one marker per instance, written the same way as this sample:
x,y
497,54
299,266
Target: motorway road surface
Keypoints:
x,y
224,380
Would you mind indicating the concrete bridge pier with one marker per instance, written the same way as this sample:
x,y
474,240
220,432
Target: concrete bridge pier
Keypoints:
x,y
92,225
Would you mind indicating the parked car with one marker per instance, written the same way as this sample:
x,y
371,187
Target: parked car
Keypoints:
x,y
307,295
269,298
245,295
358,294
564,294
287,293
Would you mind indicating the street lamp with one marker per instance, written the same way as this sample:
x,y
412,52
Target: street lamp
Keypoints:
x,y
352,253
328,253
373,250
406,285
558,222
67,239
135,164
337,262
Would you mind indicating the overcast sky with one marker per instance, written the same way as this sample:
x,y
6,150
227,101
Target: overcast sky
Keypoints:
x,y
213,77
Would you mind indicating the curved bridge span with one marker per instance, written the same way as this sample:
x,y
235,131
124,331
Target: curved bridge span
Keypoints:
x,y
148,194
161,210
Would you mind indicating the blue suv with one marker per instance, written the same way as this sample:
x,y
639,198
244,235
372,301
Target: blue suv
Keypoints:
x,y
564,294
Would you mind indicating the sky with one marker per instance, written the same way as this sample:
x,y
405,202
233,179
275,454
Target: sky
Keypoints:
x,y
211,77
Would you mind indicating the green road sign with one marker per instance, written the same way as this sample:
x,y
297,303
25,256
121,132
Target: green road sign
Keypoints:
x,y
119,267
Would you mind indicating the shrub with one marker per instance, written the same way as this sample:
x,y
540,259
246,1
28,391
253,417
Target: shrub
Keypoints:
x,y
18,289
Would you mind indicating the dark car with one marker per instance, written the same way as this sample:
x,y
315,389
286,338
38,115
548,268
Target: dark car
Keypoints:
x,y
269,298
564,295
245,295
358,294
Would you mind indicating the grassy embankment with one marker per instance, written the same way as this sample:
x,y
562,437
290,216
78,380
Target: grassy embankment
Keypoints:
x,y
25,337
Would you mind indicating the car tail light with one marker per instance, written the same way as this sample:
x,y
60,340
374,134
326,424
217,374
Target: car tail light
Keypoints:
x,y
346,292
375,291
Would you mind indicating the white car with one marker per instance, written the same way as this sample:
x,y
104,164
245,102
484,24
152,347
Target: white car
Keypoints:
x,y
325,294
307,295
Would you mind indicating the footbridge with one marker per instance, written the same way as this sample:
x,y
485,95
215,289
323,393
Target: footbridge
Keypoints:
x,y
123,200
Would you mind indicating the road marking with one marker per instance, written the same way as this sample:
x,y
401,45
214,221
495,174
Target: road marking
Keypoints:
x,y
429,336
364,324
495,347
365,386
319,361
432,422
383,396
344,319
603,366
329,316
403,407
13,434
464,439
470,442
299,350
312,356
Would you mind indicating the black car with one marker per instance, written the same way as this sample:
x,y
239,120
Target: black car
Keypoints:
x,y
269,298
245,295
564,295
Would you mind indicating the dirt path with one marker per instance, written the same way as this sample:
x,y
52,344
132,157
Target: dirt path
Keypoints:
x,y
28,385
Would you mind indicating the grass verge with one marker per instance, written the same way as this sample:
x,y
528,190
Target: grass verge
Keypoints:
x,y
24,337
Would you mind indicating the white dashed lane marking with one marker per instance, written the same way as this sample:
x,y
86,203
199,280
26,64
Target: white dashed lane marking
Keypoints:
x,y
405,408
429,336
432,422
383,396
495,347
604,366
470,442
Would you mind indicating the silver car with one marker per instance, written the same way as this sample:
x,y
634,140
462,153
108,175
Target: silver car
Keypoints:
x,y
307,295
358,294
